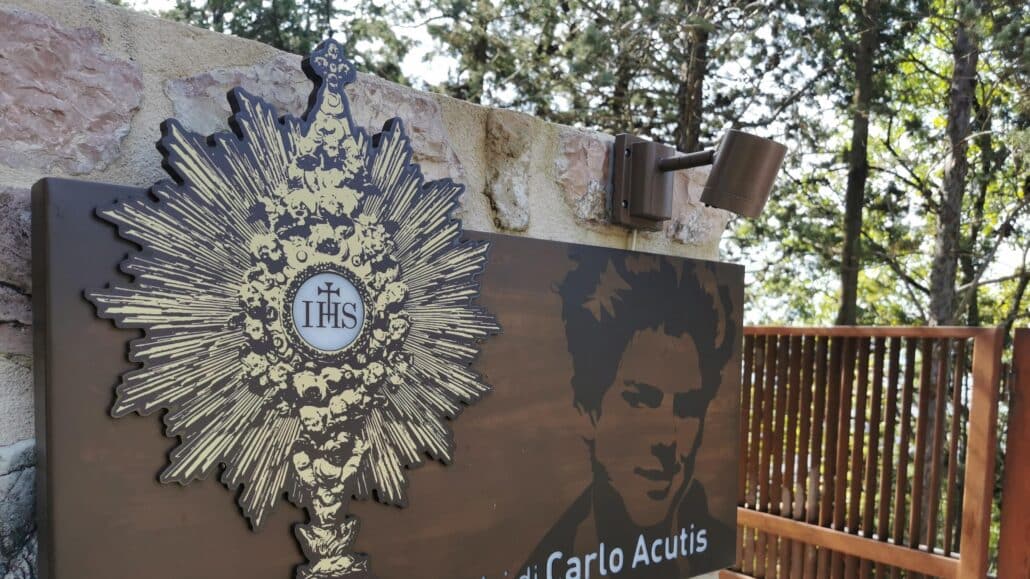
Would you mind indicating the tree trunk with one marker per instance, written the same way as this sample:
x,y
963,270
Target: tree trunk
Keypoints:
x,y
621,116
947,247
326,26
1017,304
967,256
965,55
690,91
858,162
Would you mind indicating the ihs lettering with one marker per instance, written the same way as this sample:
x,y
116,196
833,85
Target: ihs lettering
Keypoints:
x,y
331,313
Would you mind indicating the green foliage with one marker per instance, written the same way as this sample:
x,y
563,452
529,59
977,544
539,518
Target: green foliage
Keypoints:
x,y
603,64
365,27
907,152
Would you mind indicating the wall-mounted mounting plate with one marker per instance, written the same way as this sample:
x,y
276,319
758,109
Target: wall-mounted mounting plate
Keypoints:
x,y
641,194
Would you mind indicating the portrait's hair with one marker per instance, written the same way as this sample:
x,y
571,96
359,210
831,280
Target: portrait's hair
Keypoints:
x,y
607,299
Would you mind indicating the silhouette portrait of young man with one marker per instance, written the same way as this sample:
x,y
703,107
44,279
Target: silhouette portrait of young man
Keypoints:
x,y
650,338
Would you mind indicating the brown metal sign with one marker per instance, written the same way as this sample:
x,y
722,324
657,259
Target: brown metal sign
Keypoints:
x,y
303,312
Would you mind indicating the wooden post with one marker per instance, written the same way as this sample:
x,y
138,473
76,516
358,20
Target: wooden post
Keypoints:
x,y
979,479
1013,555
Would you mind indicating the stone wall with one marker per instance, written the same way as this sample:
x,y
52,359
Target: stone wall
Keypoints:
x,y
84,87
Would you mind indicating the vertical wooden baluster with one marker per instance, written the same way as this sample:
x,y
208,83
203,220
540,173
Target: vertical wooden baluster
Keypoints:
x,y
830,450
775,554
790,551
810,436
764,467
873,457
745,420
752,536
840,500
901,489
963,442
956,419
916,512
855,472
943,352
888,470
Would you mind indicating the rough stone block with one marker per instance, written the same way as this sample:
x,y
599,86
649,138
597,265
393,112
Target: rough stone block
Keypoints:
x,y
15,224
16,399
508,139
23,563
583,170
15,320
15,272
66,103
15,338
199,102
692,223
17,522
375,101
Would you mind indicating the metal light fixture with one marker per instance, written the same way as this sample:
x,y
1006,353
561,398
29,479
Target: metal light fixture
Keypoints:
x,y
743,172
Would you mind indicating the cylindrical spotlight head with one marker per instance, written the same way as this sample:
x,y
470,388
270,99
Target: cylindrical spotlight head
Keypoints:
x,y
743,174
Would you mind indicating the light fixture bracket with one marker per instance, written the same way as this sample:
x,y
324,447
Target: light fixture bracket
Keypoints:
x,y
642,180
742,177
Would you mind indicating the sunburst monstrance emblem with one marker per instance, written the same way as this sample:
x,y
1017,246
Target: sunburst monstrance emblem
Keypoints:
x,y
308,310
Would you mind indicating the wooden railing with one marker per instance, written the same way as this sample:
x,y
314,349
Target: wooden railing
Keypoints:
x,y
867,451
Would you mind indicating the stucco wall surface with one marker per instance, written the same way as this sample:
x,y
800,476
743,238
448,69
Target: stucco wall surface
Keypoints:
x,y
84,87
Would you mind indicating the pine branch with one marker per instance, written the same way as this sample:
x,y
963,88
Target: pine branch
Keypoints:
x,y
884,254
1002,231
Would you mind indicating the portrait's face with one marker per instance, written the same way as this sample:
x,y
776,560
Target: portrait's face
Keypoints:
x,y
650,423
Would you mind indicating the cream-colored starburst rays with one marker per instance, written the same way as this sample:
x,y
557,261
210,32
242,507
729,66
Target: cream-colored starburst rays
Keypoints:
x,y
251,215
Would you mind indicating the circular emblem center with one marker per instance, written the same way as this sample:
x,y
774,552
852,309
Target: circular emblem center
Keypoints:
x,y
328,312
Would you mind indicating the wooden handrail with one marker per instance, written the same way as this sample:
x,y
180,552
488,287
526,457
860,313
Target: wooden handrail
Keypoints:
x,y
870,331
